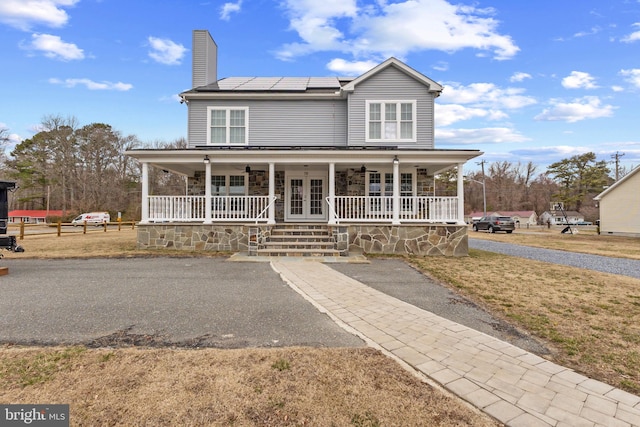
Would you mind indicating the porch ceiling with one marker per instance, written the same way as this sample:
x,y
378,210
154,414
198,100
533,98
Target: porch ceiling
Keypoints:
x,y
187,162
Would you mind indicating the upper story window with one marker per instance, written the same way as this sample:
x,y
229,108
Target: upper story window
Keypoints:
x,y
391,121
227,125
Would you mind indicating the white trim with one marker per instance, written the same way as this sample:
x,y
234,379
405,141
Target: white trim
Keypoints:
x,y
431,84
398,121
228,125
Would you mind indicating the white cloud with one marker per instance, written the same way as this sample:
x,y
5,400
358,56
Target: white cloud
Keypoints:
x,y
495,135
579,80
592,31
387,29
54,48
486,94
633,37
441,66
616,88
166,51
519,76
91,85
354,68
448,114
228,8
24,14
632,76
588,107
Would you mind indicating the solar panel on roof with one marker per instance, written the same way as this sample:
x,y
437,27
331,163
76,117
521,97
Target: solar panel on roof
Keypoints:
x,y
259,83
231,83
292,83
323,83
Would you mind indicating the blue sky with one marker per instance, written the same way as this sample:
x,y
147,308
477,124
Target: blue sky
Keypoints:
x,y
524,80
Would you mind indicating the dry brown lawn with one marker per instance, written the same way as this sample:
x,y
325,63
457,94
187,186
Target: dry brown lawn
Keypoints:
x,y
591,321
247,387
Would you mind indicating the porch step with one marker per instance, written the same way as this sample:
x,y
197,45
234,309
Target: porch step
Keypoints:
x,y
300,252
298,240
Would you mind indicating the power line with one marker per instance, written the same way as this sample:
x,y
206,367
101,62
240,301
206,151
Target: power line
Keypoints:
x,y
617,157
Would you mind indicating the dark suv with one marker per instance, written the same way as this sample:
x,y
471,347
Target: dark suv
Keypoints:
x,y
495,223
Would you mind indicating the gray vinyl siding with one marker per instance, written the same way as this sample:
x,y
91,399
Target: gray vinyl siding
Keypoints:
x,y
286,123
204,59
391,84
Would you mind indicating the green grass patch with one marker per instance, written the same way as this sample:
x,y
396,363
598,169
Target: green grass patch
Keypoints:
x,y
38,369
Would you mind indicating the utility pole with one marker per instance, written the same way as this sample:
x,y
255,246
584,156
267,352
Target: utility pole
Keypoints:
x,y
617,157
484,191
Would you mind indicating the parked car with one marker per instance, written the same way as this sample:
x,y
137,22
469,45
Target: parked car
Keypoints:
x,y
495,223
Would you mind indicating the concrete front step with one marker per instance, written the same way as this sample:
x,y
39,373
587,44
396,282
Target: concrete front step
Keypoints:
x,y
299,232
299,240
298,252
281,238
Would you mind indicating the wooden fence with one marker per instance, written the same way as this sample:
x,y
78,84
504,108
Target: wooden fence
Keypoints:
x,y
104,226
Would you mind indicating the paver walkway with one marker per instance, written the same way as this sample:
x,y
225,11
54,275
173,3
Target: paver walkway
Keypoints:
x,y
515,387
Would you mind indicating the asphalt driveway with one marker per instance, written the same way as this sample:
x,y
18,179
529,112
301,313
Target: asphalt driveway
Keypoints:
x,y
158,301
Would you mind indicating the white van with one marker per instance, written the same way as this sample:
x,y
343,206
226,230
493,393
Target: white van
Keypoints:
x,y
96,218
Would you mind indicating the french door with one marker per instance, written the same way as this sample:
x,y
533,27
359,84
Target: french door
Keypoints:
x,y
305,197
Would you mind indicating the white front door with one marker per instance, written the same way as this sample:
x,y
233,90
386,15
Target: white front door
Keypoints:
x,y
305,197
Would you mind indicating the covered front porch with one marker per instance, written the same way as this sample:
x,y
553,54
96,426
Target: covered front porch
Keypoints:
x,y
383,195
331,186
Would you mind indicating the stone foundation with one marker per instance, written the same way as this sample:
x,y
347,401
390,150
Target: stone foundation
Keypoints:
x,y
429,240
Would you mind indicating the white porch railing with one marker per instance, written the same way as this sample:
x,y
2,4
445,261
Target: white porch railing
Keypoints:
x,y
192,208
346,208
380,209
176,208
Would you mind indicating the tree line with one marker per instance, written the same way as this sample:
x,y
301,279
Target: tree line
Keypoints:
x,y
78,169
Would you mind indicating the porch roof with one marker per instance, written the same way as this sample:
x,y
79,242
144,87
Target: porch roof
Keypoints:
x,y
186,162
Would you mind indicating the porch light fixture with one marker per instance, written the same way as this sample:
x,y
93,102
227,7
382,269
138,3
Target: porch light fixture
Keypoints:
x,y
247,169
363,169
395,160
206,159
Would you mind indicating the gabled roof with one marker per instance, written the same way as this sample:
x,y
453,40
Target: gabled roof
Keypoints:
x,y
393,62
620,181
307,85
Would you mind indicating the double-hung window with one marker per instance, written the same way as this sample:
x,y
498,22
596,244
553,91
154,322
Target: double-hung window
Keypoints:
x,y
391,121
227,126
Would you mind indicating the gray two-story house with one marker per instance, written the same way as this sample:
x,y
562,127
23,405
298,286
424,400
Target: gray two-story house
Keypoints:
x,y
353,156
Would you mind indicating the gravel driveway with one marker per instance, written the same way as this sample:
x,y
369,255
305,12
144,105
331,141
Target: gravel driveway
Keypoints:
x,y
623,266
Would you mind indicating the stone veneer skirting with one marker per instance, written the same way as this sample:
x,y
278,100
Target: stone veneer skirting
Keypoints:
x,y
429,240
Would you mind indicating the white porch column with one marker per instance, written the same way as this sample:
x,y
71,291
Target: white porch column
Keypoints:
x,y
272,194
332,193
396,191
460,192
145,194
207,192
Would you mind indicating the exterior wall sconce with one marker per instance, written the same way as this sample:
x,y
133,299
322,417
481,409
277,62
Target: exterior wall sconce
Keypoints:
x,y
247,169
395,160
363,169
206,160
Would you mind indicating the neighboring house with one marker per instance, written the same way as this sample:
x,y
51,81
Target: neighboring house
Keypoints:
x,y
475,216
557,217
620,206
31,216
522,218
356,155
